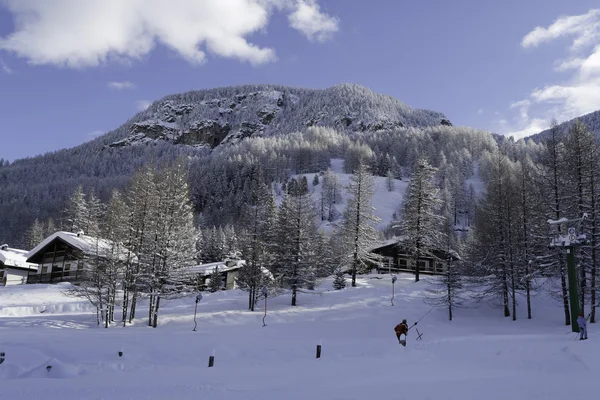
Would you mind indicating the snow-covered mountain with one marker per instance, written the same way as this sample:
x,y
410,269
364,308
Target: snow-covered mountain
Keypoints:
x,y
207,118
199,123
591,120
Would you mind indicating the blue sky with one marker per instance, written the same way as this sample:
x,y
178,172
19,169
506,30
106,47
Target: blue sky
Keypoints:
x,y
71,70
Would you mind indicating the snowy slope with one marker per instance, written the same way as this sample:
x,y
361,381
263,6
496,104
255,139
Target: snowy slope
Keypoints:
x,y
480,355
384,202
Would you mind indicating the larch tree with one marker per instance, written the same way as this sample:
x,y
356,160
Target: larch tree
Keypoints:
x,y
448,289
175,237
580,146
76,213
421,224
296,237
550,178
35,234
259,220
358,227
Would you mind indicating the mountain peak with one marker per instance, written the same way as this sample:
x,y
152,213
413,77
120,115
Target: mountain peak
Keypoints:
x,y
211,117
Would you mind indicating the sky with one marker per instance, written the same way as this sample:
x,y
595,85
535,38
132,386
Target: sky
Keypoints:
x,y
71,70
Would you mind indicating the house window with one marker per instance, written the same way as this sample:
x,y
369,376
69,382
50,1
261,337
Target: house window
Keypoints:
x,y
80,266
402,263
45,269
67,267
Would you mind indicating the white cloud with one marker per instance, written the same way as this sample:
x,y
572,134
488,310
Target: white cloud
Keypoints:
x,y
308,19
480,111
142,105
75,33
121,85
569,64
579,94
584,27
5,68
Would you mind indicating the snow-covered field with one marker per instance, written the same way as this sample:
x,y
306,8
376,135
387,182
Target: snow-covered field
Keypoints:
x,y
480,355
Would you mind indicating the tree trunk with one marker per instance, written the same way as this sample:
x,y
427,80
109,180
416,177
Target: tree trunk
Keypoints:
x,y
565,293
293,295
125,304
151,301
417,268
528,291
155,322
133,305
449,301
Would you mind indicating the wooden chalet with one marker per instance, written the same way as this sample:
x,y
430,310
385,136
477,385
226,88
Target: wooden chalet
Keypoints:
x,y
397,258
66,256
14,267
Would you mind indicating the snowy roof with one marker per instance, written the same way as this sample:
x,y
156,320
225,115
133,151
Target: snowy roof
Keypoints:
x,y
15,258
207,269
88,245
400,239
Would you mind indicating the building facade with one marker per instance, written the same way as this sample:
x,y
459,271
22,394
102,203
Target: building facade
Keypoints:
x,y
14,268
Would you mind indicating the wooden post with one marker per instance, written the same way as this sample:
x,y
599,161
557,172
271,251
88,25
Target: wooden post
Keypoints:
x,y
211,361
318,351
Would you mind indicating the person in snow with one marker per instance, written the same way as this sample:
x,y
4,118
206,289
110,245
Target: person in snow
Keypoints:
x,y
401,329
582,327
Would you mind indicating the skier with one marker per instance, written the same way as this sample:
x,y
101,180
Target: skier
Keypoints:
x,y
582,327
401,329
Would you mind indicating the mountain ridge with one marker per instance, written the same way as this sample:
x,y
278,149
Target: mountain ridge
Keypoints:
x,y
209,117
190,125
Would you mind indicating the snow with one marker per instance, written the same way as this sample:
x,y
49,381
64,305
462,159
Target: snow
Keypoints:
x,y
479,355
87,244
15,258
384,202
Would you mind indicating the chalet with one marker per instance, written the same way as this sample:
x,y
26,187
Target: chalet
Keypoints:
x,y
14,267
66,256
200,274
397,258
229,269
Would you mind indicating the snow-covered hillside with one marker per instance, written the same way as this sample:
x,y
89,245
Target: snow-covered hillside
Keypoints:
x,y
479,355
209,117
386,203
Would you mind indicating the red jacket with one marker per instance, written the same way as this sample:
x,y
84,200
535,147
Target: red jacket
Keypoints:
x,y
401,329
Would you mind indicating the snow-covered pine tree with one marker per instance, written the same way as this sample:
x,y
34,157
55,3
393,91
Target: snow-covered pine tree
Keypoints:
x,y
358,228
550,178
494,225
331,194
531,237
448,289
141,199
116,228
421,223
94,215
76,213
35,234
339,280
216,282
176,236
390,184
50,227
296,237
259,220
580,155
